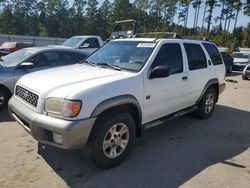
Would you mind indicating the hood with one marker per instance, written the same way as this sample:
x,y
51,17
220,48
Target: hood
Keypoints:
x,y
241,60
43,82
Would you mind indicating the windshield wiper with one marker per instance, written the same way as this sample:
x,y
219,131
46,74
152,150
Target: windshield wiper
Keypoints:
x,y
110,65
89,63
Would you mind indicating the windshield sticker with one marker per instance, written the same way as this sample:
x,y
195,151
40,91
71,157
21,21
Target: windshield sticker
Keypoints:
x,y
146,45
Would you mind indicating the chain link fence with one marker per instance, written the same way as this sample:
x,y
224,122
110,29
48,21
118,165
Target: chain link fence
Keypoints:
x,y
36,41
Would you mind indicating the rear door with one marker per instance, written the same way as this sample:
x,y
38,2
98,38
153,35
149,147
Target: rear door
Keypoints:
x,y
198,71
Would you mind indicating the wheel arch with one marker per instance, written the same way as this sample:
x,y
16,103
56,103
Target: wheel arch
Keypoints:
x,y
123,103
6,89
211,83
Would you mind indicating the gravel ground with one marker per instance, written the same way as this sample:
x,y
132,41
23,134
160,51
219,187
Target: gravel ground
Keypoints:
x,y
185,152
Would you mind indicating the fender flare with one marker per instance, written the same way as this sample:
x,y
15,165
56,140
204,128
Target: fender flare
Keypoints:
x,y
115,102
208,84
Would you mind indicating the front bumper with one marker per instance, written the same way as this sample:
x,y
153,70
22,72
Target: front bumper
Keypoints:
x,y
74,133
239,67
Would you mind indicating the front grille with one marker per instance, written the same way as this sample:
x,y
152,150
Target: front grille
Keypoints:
x,y
27,95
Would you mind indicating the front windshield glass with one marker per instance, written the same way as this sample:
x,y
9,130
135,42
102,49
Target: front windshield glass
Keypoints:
x,y
72,42
15,58
240,55
8,45
129,55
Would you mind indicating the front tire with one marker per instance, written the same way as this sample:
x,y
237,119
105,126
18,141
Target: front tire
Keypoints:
x,y
244,77
111,139
4,97
207,104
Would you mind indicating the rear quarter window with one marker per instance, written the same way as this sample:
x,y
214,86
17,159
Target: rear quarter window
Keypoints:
x,y
213,53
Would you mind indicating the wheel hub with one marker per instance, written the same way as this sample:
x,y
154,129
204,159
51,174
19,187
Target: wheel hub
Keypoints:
x,y
1,98
116,140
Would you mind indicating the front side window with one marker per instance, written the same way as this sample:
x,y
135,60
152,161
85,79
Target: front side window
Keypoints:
x,y
213,53
45,59
129,55
68,58
196,57
93,43
170,55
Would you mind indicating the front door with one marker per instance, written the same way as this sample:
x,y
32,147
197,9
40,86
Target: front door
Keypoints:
x,y
164,96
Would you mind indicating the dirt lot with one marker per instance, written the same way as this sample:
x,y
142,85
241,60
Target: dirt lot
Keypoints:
x,y
185,152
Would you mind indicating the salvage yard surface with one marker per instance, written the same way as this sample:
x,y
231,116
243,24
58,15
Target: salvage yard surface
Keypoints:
x,y
185,152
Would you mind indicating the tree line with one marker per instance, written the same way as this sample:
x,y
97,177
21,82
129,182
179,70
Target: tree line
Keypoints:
x,y
59,18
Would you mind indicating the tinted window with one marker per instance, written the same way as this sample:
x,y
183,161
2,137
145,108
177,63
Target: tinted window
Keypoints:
x,y
93,43
45,59
248,68
213,53
170,55
67,58
196,56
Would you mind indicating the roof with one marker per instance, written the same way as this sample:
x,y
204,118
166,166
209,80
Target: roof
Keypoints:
x,y
51,48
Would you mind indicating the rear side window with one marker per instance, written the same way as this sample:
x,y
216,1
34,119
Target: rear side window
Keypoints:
x,y
196,56
170,55
213,53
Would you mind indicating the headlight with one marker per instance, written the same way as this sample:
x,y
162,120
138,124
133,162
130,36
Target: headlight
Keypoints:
x,y
65,108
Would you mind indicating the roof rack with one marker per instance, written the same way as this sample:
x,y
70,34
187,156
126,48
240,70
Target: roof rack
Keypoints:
x,y
195,37
157,34
125,21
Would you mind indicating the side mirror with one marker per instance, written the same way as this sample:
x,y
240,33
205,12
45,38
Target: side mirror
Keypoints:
x,y
85,45
159,72
26,65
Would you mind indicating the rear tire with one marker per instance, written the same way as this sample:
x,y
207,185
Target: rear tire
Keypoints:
x,y
244,77
207,104
230,69
4,97
111,139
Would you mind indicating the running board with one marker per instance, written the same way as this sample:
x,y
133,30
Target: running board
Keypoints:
x,y
169,117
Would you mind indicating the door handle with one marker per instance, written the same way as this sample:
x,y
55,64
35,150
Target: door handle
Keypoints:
x,y
184,78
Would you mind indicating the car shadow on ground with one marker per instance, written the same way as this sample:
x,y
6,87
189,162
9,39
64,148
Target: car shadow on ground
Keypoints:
x,y
165,156
234,73
4,115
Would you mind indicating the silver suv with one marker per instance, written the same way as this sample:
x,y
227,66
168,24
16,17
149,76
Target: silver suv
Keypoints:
x,y
28,60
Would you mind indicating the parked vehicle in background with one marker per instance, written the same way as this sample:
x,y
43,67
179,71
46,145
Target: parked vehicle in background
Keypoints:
x,y
9,47
28,60
246,73
241,59
88,43
123,29
228,60
124,87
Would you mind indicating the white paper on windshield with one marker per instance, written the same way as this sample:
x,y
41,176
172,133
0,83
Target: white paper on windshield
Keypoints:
x,y
146,45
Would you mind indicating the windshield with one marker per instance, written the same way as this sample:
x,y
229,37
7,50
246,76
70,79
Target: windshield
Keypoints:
x,y
15,58
241,55
129,55
72,42
9,45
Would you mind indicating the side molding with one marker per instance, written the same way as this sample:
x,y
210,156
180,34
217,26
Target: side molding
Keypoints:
x,y
208,84
115,101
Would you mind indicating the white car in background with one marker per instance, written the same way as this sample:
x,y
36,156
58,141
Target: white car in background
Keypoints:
x,y
241,60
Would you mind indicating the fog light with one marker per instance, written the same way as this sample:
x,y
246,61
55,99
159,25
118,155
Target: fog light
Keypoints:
x,y
57,138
